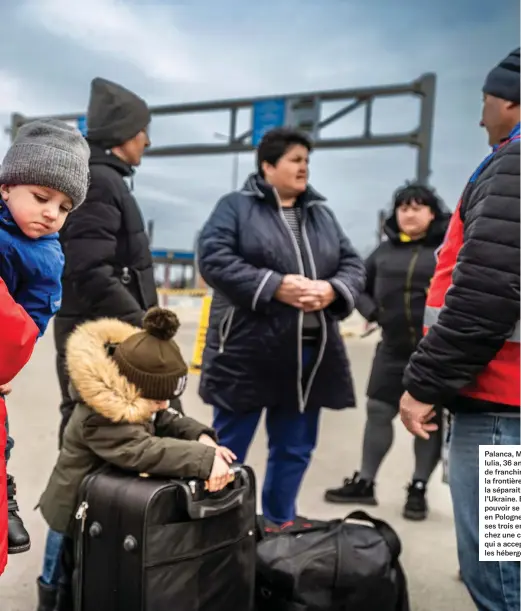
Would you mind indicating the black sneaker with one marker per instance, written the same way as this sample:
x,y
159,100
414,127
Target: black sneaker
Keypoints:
x,y
354,490
416,505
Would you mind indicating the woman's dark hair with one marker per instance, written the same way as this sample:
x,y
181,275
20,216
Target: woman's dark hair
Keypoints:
x,y
276,143
419,193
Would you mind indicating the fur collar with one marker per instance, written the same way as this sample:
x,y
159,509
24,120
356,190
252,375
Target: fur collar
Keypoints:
x,y
96,377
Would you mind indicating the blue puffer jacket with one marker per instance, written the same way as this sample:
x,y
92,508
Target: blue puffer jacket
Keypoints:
x,y
31,269
252,357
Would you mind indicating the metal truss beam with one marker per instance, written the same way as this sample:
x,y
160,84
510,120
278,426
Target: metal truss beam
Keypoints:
x,y
420,137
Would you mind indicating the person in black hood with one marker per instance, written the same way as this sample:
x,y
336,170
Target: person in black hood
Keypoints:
x,y
108,265
398,277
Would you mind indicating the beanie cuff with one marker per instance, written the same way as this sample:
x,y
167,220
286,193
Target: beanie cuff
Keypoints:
x,y
500,86
503,80
31,163
119,132
154,386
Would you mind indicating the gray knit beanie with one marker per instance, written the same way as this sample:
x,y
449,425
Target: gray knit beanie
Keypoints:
x,y
49,153
503,80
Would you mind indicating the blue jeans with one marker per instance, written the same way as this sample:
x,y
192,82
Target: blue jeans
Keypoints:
x,y
292,437
494,586
52,559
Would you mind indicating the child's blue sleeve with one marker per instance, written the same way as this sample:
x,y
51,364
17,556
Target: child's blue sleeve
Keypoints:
x,y
7,268
38,288
43,299
42,304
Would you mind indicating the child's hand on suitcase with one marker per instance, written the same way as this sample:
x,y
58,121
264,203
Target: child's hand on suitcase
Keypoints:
x,y
223,452
226,454
220,475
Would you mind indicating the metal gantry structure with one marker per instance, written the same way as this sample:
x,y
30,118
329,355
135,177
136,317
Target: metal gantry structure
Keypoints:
x,y
420,137
305,113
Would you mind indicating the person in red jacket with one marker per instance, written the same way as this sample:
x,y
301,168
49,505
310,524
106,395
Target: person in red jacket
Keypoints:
x,y
469,359
19,334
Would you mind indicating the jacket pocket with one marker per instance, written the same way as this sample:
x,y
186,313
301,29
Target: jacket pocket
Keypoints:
x,y
225,326
146,287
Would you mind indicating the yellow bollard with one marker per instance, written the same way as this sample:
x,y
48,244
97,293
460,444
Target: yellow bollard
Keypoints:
x,y
200,340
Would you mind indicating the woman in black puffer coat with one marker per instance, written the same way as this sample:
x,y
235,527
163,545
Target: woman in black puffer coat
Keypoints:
x,y
398,277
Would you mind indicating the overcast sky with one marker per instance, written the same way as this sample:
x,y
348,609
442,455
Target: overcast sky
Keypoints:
x,y
206,49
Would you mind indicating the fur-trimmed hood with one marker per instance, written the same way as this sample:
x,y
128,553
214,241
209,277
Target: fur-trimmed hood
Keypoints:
x,y
96,377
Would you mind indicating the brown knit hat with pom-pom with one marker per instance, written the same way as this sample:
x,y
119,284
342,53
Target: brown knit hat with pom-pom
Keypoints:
x,y
151,359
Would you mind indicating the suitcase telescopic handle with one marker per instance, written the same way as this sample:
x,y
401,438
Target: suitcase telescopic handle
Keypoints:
x,y
210,506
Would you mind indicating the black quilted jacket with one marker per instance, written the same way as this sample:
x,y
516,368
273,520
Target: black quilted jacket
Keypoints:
x,y
253,350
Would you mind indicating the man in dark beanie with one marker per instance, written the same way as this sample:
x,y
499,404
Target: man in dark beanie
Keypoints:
x,y
501,101
108,264
469,358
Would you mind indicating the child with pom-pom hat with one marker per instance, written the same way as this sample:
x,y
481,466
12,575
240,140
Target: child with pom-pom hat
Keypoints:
x,y
123,378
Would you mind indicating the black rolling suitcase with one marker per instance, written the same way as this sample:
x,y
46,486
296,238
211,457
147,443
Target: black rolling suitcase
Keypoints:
x,y
146,544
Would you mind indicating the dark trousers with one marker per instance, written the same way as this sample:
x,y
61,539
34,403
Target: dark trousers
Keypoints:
x,y
67,403
292,437
63,327
10,441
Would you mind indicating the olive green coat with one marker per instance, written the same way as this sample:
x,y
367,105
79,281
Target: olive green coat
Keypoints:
x,y
111,423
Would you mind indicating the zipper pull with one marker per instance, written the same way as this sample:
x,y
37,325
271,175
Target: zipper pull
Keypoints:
x,y
125,277
81,514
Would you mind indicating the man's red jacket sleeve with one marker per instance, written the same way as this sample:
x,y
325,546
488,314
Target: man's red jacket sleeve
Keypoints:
x,y
18,334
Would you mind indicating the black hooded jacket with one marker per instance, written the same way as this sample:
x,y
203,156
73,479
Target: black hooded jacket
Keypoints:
x,y
398,278
108,264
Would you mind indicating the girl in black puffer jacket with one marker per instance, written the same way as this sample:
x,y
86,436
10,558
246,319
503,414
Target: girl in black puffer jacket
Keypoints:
x,y
398,277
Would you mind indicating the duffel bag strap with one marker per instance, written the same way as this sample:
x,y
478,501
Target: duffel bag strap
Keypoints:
x,y
386,532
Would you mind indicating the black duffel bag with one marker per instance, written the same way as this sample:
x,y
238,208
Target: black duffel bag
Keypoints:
x,y
340,565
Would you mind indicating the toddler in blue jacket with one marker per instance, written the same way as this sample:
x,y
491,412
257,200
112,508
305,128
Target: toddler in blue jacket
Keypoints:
x,y
44,176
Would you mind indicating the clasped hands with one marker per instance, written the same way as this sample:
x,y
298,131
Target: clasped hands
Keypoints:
x,y
305,294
